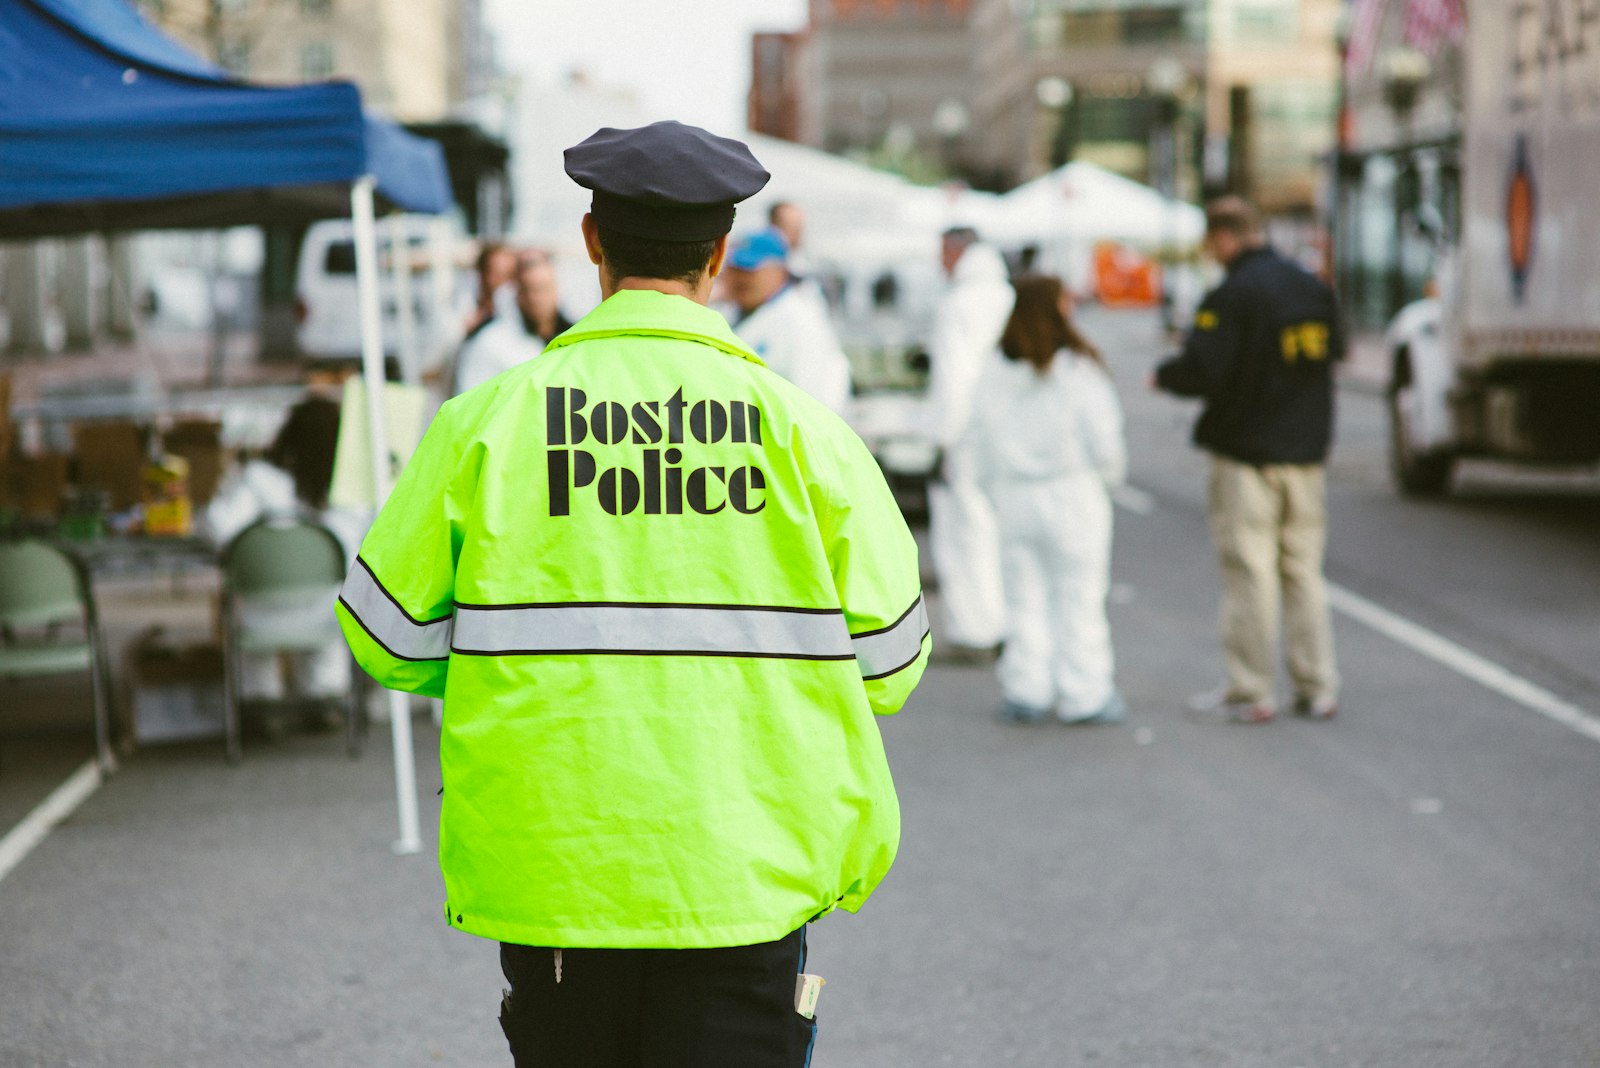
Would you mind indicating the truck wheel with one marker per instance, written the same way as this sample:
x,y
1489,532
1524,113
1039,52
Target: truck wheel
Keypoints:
x,y
1417,472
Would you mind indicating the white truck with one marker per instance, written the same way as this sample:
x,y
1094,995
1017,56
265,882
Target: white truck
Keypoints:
x,y
1505,361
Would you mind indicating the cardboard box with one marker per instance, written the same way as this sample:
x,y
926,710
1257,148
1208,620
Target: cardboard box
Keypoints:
x,y
35,485
200,443
110,456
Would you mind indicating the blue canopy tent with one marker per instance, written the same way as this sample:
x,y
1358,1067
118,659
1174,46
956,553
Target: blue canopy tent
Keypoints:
x,y
106,124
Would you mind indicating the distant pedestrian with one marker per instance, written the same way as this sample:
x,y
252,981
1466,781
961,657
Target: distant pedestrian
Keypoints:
x,y
966,551
496,267
1045,443
1260,355
519,329
788,328
789,219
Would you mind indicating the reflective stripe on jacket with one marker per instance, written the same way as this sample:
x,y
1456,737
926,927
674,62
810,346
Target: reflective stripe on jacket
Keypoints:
x,y
662,592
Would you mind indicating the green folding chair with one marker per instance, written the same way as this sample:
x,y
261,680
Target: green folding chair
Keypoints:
x,y
280,580
48,626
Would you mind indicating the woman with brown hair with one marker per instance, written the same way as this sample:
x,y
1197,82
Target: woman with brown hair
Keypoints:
x,y
1046,443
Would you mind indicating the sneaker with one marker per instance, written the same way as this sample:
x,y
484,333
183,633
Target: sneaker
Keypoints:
x,y
1219,706
1316,707
1115,710
1015,712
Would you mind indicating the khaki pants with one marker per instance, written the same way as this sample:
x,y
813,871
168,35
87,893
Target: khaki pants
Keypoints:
x,y
1269,525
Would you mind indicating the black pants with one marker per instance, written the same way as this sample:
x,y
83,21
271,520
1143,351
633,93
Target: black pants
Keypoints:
x,y
657,1008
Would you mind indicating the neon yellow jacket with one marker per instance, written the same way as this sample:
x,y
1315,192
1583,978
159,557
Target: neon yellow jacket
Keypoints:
x,y
662,592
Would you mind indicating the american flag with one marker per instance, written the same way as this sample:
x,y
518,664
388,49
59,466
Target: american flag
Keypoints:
x,y
1433,23
1366,20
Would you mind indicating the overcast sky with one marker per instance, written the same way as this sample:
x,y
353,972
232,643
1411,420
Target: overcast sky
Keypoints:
x,y
688,59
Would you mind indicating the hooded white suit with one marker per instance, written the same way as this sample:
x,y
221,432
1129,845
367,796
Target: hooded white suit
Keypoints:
x,y
792,335
1045,448
964,542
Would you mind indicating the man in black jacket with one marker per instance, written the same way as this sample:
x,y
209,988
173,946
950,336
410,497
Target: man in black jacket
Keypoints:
x,y
1260,355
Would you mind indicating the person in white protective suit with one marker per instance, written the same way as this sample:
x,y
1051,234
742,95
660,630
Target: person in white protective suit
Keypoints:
x,y
965,546
1045,443
787,326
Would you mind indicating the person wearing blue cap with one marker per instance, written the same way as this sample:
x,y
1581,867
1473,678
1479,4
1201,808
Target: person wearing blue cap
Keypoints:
x,y
664,593
787,326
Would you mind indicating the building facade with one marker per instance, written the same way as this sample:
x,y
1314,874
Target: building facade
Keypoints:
x,y
779,76
1198,96
1193,96
412,59
894,77
1399,156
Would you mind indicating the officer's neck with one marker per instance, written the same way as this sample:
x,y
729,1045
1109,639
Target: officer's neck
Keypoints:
x,y
700,292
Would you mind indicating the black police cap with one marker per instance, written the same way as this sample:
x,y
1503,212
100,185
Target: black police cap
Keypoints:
x,y
665,181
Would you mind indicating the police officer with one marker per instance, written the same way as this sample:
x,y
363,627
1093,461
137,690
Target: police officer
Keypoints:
x,y
662,592
1260,355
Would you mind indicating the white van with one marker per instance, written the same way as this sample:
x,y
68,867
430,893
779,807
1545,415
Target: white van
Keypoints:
x,y
328,322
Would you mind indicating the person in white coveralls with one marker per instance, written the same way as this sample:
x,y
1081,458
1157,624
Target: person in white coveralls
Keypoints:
x,y
1045,442
965,546
785,325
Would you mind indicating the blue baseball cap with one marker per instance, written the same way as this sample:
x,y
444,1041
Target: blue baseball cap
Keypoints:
x,y
759,249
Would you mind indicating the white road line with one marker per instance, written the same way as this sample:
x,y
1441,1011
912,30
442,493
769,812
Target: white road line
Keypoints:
x,y
1435,647
61,803
1464,662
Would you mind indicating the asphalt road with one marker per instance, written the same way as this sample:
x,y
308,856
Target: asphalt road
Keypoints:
x,y
1412,885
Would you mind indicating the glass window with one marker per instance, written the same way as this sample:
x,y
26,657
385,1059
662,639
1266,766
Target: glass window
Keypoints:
x,y
1154,26
1265,21
340,258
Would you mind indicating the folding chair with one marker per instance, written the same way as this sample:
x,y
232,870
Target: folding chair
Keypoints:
x,y
48,626
280,580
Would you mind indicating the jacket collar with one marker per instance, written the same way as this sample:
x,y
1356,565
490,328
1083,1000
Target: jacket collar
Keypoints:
x,y
1254,252
646,313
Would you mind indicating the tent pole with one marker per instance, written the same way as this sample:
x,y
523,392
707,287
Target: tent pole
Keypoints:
x,y
405,308
363,215
442,303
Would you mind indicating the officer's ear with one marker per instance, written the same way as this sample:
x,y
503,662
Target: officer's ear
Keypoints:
x,y
718,252
591,238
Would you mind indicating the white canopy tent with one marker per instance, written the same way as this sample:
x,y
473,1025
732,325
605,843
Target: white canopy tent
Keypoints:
x,y
1068,211
1085,202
